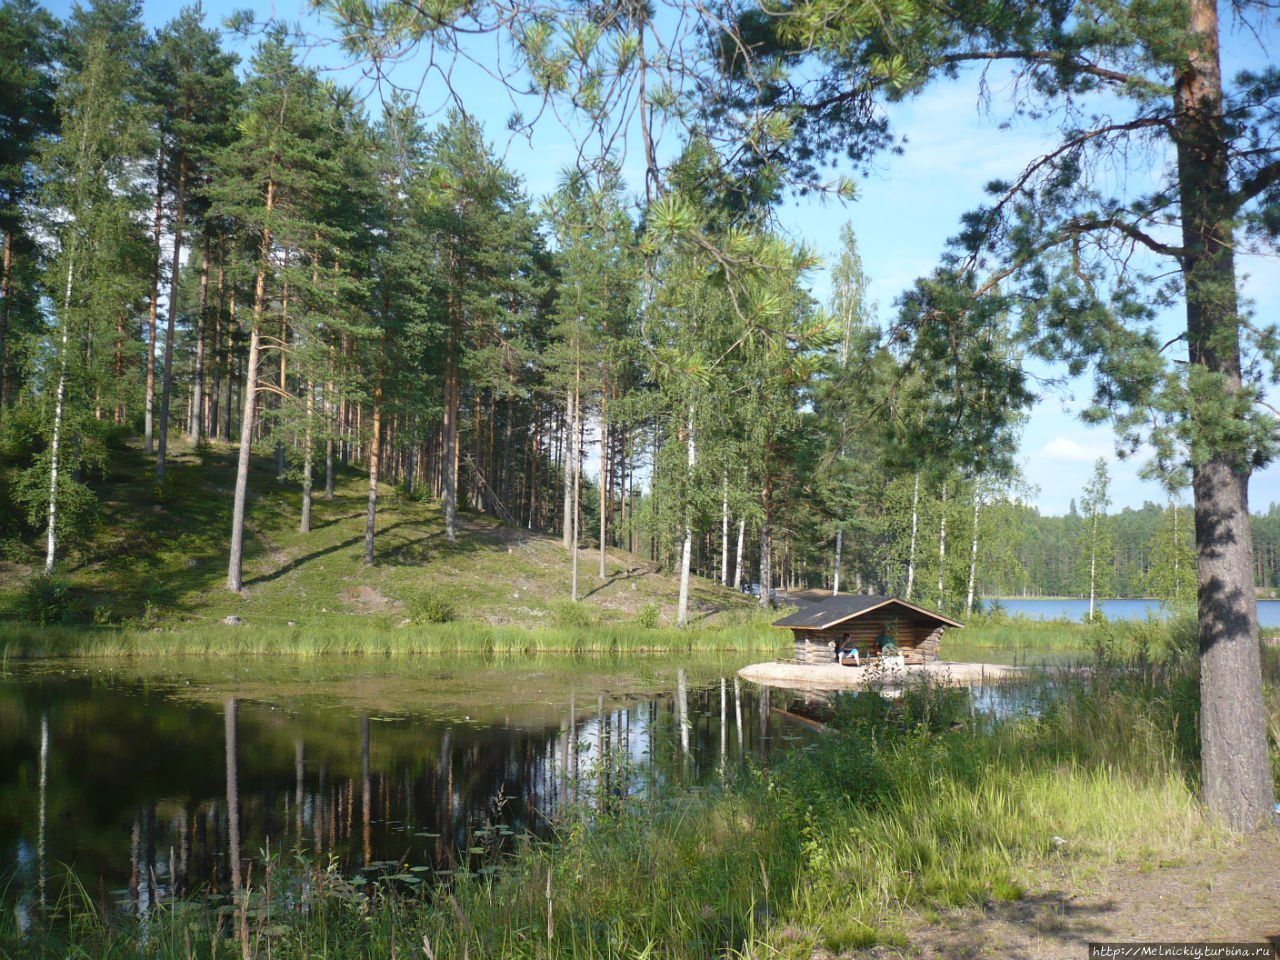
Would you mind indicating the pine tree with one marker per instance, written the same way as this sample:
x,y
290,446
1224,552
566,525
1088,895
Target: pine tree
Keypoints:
x,y
28,35
485,242
271,184
195,90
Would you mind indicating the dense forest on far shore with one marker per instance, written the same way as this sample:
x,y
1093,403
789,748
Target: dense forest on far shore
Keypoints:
x,y
1051,555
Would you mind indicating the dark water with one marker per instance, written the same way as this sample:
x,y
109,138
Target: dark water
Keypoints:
x,y
146,793
1041,608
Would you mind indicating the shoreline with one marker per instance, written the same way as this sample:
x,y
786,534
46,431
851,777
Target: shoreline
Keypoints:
x,y
832,676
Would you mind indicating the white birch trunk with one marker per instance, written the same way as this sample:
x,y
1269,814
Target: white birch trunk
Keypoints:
x,y
724,532
51,539
575,450
737,568
166,376
973,546
1093,563
604,484
682,610
915,529
835,580
942,546
568,469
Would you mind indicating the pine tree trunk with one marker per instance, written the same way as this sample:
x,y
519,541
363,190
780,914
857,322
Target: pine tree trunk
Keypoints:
x,y
304,523
682,608
450,453
1235,764
6,279
330,440
195,428
375,454
282,385
235,565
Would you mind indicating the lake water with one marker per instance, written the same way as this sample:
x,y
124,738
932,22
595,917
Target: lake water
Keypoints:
x,y
150,785
1123,609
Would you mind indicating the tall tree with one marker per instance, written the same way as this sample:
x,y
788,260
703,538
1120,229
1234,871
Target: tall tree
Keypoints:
x,y
597,288
28,36
1097,553
1067,246
94,275
271,182
485,239
195,89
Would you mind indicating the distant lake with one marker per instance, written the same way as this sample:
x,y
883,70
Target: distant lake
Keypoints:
x,y
1125,609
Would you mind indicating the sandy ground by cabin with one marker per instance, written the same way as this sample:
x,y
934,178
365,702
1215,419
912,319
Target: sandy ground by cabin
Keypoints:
x,y
831,676
1227,892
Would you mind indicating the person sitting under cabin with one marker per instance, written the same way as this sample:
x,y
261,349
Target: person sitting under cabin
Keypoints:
x,y
848,652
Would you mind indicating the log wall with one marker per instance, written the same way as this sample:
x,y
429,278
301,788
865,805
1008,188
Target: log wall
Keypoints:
x,y
918,642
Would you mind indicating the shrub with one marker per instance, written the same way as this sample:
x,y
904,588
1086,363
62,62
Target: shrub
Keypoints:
x,y
570,614
45,599
648,617
432,610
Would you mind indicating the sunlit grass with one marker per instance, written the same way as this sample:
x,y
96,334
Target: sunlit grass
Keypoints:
x,y
157,562
379,637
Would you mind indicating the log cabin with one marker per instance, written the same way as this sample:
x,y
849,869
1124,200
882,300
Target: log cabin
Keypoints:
x,y
830,630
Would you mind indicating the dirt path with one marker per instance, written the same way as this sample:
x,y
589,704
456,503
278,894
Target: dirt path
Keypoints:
x,y
1229,893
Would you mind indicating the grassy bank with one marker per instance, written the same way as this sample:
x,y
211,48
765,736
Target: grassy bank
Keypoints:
x,y
154,561
383,637
906,809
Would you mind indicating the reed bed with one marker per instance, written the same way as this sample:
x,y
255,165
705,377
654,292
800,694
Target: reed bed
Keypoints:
x,y
380,637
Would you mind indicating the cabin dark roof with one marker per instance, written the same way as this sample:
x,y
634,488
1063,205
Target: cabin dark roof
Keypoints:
x,y
833,610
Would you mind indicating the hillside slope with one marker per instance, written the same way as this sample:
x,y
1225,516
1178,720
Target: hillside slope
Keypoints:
x,y
160,557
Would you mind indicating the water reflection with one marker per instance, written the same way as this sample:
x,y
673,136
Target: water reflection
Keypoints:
x,y
146,796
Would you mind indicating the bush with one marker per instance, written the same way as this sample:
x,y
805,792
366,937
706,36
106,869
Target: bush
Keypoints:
x,y
45,600
570,614
432,610
648,617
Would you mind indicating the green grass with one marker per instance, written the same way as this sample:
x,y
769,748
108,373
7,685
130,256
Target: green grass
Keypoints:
x,y
908,807
149,577
376,637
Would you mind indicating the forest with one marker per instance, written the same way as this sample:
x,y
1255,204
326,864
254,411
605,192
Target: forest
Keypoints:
x,y
214,253
242,254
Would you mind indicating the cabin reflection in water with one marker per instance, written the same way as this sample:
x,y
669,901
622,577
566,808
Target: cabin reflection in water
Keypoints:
x,y
146,797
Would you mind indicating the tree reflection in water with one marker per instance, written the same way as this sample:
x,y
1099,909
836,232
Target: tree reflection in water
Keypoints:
x,y
132,798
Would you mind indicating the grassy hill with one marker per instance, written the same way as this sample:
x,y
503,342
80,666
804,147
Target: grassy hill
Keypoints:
x,y
155,561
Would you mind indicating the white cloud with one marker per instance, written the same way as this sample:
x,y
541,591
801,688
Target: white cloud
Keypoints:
x,y
1073,451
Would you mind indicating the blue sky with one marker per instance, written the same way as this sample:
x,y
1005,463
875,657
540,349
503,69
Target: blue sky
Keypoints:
x,y
903,215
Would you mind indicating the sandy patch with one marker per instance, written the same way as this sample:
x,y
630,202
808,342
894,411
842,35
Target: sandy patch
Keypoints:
x,y
831,676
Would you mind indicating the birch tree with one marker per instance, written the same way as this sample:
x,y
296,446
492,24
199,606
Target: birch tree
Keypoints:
x,y
95,273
